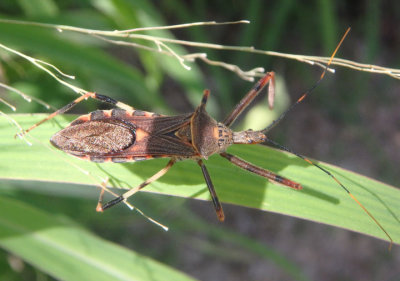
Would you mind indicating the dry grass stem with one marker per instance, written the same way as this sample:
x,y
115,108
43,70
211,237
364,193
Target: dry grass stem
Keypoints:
x,y
41,64
25,96
16,125
13,108
161,43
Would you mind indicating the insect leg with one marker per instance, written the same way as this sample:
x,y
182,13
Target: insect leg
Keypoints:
x,y
260,171
249,97
132,191
99,207
104,188
60,111
206,94
112,101
78,100
214,197
309,91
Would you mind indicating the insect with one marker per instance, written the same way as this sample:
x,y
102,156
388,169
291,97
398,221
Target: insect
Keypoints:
x,y
124,134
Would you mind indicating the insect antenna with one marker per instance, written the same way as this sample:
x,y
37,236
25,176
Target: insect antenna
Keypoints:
x,y
310,90
281,147
302,97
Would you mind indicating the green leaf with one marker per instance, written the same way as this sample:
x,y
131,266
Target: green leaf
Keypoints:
x,y
36,8
321,200
93,61
143,13
60,247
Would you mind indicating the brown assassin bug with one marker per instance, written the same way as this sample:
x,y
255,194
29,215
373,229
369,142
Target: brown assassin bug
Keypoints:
x,y
125,134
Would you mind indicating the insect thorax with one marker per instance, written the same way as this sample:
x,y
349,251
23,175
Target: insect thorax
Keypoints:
x,y
208,136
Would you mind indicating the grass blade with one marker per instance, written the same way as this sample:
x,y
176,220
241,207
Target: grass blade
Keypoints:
x,y
321,200
60,247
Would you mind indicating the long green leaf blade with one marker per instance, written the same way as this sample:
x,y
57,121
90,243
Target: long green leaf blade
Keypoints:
x,y
69,252
321,200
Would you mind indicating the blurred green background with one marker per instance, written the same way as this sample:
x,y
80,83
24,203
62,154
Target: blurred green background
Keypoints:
x,y
352,120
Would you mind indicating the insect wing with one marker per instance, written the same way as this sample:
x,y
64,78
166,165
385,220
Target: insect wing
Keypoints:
x,y
156,137
100,136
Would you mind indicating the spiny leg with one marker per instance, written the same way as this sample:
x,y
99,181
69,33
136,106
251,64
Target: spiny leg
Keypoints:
x,y
103,187
100,201
132,191
250,96
309,91
99,206
214,197
260,171
78,100
337,181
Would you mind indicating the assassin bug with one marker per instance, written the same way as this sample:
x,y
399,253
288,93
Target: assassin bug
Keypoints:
x,y
125,134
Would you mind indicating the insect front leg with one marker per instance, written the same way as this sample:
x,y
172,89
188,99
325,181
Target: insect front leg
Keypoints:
x,y
214,197
251,95
260,171
132,191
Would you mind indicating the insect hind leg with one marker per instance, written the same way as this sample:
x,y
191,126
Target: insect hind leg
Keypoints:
x,y
132,191
68,107
59,111
104,189
112,101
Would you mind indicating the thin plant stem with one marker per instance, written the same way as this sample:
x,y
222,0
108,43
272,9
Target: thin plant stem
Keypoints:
x,y
162,41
